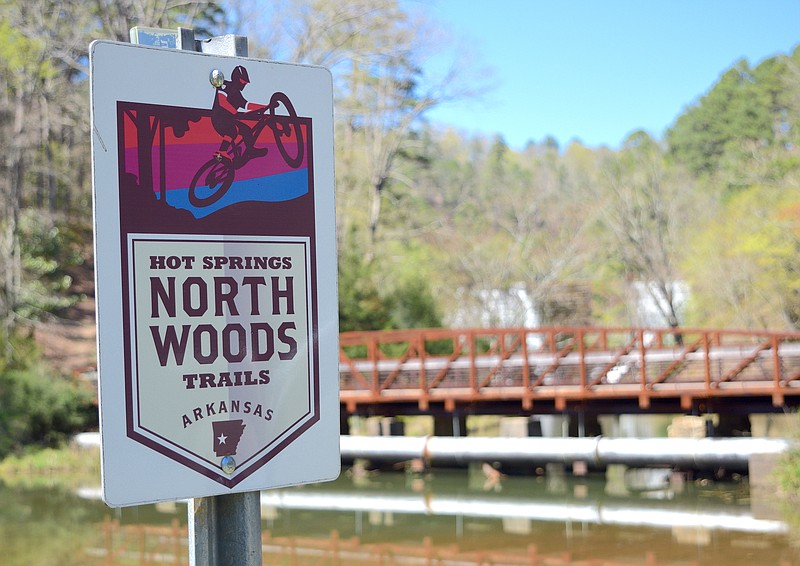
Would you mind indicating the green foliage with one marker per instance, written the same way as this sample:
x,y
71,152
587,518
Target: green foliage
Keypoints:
x,y
745,267
414,306
746,106
23,58
733,110
49,251
37,407
787,472
361,306
19,348
741,139
367,304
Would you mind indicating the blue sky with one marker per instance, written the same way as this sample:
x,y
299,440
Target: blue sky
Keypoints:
x,y
597,70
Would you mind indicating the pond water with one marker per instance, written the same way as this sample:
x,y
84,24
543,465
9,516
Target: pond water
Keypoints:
x,y
442,518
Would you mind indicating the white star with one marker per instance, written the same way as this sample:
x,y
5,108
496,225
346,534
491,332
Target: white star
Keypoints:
x,y
222,438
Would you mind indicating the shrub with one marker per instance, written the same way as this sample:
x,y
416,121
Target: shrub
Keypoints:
x,y
42,409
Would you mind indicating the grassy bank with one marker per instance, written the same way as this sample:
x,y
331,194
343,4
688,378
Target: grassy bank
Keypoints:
x,y
69,466
787,475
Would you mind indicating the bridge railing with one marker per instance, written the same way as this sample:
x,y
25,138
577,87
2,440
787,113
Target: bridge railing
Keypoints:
x,y
467,365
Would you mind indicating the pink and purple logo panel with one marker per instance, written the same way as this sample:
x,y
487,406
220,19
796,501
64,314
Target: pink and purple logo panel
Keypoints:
x,y
165,148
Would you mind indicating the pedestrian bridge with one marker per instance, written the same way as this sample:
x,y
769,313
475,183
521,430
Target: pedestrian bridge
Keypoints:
x,y
548,370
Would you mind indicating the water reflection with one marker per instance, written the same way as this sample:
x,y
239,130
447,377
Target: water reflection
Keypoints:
x,y
45,526
589,502
588,519
446,517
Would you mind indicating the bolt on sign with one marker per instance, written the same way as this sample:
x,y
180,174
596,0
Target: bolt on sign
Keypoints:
x,y
216,273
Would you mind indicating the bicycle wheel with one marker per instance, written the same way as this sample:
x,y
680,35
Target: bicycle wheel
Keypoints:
x,y
211,182
287,127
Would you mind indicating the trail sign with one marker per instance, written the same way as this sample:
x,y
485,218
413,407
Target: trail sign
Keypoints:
x,y
215,271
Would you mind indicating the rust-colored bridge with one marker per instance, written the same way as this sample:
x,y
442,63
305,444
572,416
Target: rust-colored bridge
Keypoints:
x,y
545,370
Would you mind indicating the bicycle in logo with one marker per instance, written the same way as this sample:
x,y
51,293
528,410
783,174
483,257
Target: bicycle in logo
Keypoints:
x,y
215,177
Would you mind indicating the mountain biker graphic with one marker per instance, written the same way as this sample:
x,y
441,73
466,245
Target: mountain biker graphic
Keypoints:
x,y
230,115
229,111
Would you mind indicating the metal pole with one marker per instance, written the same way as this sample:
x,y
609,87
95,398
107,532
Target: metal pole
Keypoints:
x,y
224,530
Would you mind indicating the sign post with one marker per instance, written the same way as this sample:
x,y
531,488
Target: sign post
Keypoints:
x,y
216,283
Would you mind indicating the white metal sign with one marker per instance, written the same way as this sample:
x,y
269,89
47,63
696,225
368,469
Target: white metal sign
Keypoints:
x,y
216,273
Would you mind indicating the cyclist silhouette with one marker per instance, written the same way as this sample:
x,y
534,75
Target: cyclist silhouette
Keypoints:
x,y
228,113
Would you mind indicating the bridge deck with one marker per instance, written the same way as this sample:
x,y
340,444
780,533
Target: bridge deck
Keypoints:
x,y
558,366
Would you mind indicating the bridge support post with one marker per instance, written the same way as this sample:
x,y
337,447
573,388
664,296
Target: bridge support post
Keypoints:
x,y
582,425
451,424
384,426
344,421
731,426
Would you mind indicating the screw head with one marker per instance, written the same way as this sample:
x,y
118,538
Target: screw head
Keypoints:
x,y
216,78
228,465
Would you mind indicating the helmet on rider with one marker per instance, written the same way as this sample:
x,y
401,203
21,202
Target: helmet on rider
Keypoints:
x,y
239,76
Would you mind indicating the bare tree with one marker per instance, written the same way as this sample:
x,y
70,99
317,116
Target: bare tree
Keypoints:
x,y
646,210
376,51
